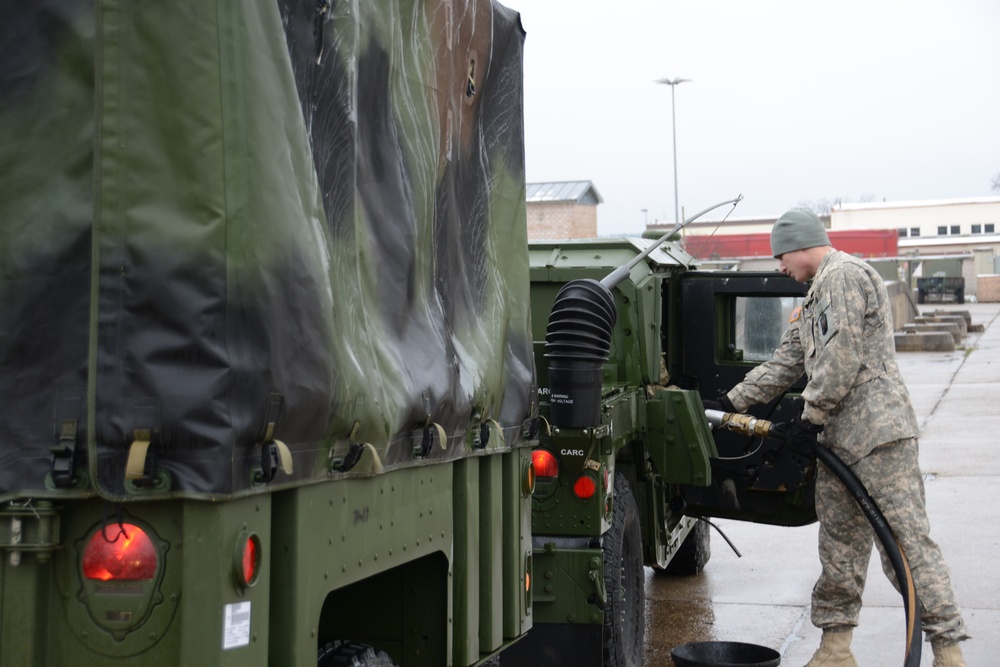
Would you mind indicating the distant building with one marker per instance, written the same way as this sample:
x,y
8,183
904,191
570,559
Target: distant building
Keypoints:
x,y
949,237
943,226
866,243
562,210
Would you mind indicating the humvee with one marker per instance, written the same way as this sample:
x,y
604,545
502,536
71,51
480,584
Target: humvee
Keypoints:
x,y
627,469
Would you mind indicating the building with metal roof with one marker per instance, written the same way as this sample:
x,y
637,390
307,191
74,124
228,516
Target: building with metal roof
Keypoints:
x,y
562,210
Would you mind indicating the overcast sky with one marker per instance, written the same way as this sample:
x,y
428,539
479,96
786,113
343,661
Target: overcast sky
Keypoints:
x,y
789,101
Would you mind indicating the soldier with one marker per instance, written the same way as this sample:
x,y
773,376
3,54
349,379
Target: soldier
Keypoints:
x,y
856,403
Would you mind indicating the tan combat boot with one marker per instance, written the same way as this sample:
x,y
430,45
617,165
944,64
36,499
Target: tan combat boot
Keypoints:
x,y
834,650
948,656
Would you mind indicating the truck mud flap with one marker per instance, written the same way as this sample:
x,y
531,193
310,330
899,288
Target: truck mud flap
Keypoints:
x,y
557,645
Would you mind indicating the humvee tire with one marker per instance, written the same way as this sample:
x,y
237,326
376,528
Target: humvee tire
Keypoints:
x,y
349,654
693,553
624,612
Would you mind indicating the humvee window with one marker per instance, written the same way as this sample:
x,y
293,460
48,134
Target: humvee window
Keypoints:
x,y
760,322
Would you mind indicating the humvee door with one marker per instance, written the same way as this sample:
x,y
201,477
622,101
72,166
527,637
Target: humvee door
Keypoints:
x,y
729,323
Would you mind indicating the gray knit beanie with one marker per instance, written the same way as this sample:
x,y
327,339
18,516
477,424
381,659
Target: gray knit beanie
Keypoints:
x,y
797,230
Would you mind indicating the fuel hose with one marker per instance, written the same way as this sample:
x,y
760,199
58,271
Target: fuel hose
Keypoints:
x,y
748,425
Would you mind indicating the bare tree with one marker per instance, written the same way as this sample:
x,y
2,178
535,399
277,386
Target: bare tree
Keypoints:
x,y
820,207
995,184
823,207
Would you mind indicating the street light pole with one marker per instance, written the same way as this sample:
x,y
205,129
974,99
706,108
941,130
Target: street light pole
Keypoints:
x,y
673,121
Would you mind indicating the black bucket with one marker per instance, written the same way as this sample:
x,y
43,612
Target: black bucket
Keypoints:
x,y
724,654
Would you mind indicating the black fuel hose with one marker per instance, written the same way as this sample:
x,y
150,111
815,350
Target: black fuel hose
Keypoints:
x,y
883,532
749,425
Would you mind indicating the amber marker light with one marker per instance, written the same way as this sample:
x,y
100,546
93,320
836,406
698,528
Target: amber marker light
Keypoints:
x,y
527,580
130,556
528,478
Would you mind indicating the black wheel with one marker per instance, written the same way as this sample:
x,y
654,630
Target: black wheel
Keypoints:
x,y
350,654
624,612
693,554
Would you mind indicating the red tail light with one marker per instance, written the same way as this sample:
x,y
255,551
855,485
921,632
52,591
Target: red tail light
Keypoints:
x,y
546,464
130,556
584,487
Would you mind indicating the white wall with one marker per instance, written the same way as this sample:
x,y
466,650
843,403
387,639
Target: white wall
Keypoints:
x,y
927,217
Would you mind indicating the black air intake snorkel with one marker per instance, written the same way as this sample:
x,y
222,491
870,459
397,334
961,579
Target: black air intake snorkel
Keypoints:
x,y
577,343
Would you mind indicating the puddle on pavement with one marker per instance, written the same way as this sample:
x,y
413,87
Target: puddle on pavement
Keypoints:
x,y
681,610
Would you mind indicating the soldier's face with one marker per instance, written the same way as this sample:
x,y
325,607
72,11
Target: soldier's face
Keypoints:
x,y
797,264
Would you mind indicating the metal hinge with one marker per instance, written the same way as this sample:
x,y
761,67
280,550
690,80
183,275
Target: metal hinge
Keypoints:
x,y
28,527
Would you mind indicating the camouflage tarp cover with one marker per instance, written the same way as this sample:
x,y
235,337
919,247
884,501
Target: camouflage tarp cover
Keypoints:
x,y
220,214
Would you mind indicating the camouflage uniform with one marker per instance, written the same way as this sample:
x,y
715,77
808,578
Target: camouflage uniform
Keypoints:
x,y
842,339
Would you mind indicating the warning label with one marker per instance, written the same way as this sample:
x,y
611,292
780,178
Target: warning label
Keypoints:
x,y
236,629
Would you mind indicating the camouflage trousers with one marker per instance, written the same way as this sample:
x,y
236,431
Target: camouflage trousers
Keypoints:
x,y
892,476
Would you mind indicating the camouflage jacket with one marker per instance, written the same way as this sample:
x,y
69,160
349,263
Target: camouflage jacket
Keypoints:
x,y
842,339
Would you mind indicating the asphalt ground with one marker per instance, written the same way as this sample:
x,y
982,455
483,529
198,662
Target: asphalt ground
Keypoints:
x,y
764,597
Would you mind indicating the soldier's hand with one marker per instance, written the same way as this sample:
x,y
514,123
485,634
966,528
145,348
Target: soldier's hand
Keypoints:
x,y
722,404
799,434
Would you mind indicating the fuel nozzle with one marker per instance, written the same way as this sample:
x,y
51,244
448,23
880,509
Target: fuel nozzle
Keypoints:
x,y
739,423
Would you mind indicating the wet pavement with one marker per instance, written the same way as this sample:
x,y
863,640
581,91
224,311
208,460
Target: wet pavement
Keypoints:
x,y
763,597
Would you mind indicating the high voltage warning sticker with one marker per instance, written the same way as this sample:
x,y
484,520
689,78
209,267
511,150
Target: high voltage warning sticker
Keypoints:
x,y
236,630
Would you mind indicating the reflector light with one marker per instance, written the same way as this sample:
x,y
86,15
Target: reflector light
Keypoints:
x,y
246,559
546,464
130,556
528,482
527,580
249,560
584,487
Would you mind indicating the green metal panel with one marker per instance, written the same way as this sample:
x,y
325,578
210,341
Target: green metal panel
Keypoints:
x,y
491,599
567,579
466,560
678,438
337,534
210,533
24,633
516,547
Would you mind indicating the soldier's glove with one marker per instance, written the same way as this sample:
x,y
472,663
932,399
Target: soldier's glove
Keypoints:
x,y
722,404
799,435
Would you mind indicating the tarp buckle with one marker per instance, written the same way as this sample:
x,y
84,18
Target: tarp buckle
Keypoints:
x,y
274,455
63,454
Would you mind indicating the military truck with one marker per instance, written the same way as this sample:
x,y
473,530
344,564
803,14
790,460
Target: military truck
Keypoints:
x,y
628,338
267,390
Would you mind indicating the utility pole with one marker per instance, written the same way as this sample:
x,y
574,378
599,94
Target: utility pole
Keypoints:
x,y
673,121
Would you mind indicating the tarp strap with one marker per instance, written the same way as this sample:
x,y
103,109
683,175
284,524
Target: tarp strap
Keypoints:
x,y
135,467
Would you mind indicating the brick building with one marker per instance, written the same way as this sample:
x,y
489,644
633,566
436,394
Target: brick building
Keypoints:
x,y
563,210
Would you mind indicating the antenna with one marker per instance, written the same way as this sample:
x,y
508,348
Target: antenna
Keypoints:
x,y
622,272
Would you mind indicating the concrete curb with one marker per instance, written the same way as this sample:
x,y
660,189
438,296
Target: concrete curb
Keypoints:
x,y
938,341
